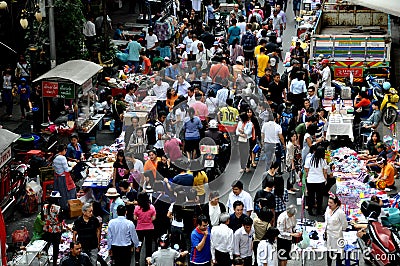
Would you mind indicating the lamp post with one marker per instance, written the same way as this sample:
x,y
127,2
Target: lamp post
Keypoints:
x,y
28,15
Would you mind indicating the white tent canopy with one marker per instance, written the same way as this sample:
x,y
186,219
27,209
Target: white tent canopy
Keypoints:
x,y
77,71
7,138
391,7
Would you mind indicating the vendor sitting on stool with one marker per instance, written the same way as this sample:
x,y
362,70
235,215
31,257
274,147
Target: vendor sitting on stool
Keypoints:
x,y
371,163
386,175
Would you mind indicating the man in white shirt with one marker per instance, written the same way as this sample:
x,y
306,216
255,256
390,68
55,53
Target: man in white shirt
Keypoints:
x,y
160,89
151,42
325,73
223,94
187,41
194,50
160,134
239,194
203,56
89,30
181,86
271,134
191,97
222,242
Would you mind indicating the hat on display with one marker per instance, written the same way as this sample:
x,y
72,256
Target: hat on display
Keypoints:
x,y
55,194
216,43
112,192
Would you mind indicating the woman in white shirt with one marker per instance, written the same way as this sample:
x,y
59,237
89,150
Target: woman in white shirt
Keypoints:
x,y
316,174
267,253
176,215
336,223
244,131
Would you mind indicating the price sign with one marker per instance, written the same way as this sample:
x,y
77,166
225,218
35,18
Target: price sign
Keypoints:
x,y
345,72
50,89
66,90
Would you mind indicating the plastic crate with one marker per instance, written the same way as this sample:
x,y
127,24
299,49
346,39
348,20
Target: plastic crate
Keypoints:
x,y
46,173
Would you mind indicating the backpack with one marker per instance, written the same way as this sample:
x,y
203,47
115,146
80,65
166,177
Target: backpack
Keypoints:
x,y
151,133
248,42
286,119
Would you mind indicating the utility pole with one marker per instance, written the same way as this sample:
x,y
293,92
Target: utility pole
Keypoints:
x,y
52,35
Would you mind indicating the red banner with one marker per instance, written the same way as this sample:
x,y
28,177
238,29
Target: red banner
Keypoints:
x,y
50,89
345,72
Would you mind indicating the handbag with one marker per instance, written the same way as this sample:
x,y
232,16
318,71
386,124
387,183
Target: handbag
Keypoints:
x,y
256,148
20,236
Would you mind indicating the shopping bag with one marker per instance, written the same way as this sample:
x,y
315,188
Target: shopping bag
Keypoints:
x,y
305,243
256,148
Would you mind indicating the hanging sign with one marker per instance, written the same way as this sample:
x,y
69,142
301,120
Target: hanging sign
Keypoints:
x,y
50,89
66,90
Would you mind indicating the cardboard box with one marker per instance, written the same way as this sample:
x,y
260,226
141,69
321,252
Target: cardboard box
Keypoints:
x,y
75,208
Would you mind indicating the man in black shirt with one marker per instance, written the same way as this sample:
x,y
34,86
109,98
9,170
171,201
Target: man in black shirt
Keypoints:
x,y
207,38
276,89
129,196
87,230
264,81
236,218
76,257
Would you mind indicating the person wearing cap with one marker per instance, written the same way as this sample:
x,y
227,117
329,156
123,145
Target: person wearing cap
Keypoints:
x,y
326,79
297,52
216,49
24,91
52,216
121,237
115,200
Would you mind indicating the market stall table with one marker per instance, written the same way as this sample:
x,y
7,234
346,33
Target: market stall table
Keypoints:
x,y
142,109
340,125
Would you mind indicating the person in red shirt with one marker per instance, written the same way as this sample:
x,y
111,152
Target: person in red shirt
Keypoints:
x,y
172,147
146,65
362,104
219,70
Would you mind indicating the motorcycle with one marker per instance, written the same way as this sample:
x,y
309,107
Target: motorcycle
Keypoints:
x,y
382,243
388,97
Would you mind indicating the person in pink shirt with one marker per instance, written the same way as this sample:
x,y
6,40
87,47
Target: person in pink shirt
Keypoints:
x,y
144,214
172,147
200,108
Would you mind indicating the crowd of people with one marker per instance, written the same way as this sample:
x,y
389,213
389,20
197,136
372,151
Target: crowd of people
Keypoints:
x,y
204,88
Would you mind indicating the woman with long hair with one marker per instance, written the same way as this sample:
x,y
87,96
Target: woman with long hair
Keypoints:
x,y
120,169
308,141
261,224
175,213
267,253
315,168
63,181
293,161
235,50
244,131
371,147
172,95
144,214
256,131
192,126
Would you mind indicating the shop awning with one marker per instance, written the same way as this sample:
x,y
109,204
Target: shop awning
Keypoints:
x,y
391,7
77,71
6,139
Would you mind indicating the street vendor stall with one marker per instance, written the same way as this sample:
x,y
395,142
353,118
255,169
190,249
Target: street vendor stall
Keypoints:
x,y
71,84
10,186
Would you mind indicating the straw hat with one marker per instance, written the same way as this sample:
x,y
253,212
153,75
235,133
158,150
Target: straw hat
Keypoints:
x,y
112,192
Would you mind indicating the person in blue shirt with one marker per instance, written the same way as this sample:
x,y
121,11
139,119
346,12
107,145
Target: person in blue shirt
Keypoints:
x,y
200,253
121,237
118,34
183,178
134,49
192,126
233,32
75,154
24,91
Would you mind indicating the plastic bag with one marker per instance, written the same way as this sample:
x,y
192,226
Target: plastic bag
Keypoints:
x,y
305,242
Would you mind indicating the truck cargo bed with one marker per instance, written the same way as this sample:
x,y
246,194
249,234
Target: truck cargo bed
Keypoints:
x,y
345,30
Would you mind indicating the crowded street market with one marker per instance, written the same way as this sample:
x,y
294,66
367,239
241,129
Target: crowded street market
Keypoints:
x,y
214,133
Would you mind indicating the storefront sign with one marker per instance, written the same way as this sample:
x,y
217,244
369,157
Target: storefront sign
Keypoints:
x,y
5,157
344,72
66,90
50,89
